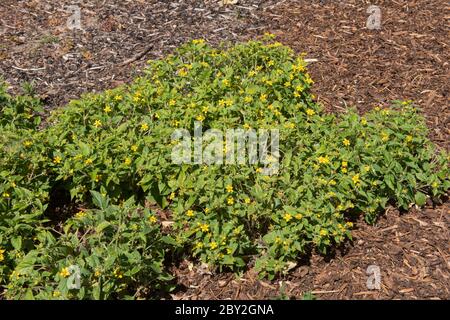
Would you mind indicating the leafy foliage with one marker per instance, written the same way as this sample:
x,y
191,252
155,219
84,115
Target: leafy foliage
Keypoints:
x,y
112,153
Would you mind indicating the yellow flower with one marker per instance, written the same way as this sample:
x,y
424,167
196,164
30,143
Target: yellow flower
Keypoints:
x,y
247,126
198,245
118,274
409,138
349,224
107,109
287,84
198,41
200,118
323,160
263,97
230,201
182,72
206,210
57,159
64,272
298,216
226,82
88,161
366,168
97,123
27,143
355,178
144,127
6,195
289,125
384,136
344,164
56,294
2,257
97,273
190,213
80,214
247,200
248,99
127,161
213,245
310,112
363,121
204,227
134,148
118,98
172,196
229,188
259,170
152,219
287,217
332,182
346,142
323,232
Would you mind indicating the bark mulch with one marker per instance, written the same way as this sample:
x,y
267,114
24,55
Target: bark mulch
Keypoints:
x,y
353,67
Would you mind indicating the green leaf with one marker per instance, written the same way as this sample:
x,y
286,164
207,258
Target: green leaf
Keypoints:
x,y
420,198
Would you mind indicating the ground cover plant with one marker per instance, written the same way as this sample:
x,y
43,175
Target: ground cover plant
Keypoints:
x,y
89,187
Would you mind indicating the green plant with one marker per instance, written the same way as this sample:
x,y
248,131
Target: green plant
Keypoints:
x,y
118,144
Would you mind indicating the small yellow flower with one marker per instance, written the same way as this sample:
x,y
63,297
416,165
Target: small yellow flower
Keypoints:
x,y
323,232
310,112
384,136
190,213
332,182
204,227
287,217
198,245
97,123
27,143
248,99
97,273
134,148
107,109
287,84
213,245
118,274
64,272
349,224
247,126
80,214
247,200
152,219
172,102
346,142
88,161
198,41
323,160
144,127
363,121
172,196
409,138
200,118
57,159
206,210
6,195
259,170
344,164
2,257
355,178
230,201
263,97
56,294
127,161
118,98
229,188
226,82
298,216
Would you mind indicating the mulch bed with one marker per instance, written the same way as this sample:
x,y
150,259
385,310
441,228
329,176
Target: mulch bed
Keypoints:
x,y
355,67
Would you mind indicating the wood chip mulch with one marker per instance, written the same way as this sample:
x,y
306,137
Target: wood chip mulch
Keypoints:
x,y
408,58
